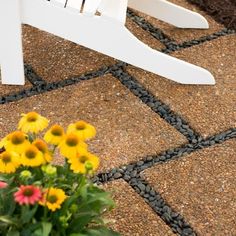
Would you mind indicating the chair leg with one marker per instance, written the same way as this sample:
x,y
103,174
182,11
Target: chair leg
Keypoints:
x,y
170,13
11,56
139,54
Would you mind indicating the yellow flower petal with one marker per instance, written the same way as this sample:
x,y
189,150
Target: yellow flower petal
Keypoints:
x,y
16,141
32,157
32,122
54,135
9,162
79,163
53,198
82,129
43,148
71,145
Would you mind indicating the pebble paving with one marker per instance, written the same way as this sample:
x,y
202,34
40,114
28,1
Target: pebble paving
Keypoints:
x,y
167,150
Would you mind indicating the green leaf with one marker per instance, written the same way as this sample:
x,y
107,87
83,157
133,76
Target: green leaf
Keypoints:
x,y
47,227
8,220
27,213
9,204
78,224
13,233
27,230
44,230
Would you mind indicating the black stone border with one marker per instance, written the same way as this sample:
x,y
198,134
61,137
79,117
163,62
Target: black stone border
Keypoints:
x,y
152,30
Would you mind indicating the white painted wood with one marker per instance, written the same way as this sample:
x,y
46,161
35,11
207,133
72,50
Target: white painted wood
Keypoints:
x,y
106,34
115,9
76,4
170,13
11,58
60,3
111,38
91,6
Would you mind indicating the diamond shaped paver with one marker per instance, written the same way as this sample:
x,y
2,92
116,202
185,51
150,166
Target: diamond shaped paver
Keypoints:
x,y
202,187
209,109
54,58
132,215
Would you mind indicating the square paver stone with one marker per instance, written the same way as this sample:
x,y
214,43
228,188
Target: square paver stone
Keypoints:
x,y
182,35
127,129
208,109
132,215
202,187
54,58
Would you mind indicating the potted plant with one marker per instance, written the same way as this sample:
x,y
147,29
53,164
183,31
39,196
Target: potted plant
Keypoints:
x,y
38,198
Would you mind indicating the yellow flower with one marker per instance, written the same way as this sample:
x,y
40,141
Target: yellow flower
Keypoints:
x,y
53,198
84,161
82,129
16,141
71,145
54,135
3,142
32,122
9,162
32,157
43,148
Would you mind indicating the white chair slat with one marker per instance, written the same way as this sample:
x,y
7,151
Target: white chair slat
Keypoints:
x,y
76,4
115,9
91,6
60,3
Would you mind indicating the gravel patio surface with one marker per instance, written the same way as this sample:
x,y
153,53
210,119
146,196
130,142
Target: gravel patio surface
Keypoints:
x,y
168,151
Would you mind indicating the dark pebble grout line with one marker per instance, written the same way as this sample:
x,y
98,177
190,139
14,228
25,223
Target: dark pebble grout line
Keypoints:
x,y
155,104
187,44
170,44
32,76
39,86
131,170
131,174
155,32
173,219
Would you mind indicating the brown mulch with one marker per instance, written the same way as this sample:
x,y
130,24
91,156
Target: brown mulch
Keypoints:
x,y
223,11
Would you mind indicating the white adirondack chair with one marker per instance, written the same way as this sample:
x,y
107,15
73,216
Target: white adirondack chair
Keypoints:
x,y
75,20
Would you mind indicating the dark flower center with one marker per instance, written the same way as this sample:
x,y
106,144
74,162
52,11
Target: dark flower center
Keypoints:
x,y
57,131
18,139
80,126
28,192
6,158
30,154
83,159
72,141
52,198
41,147
32,117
